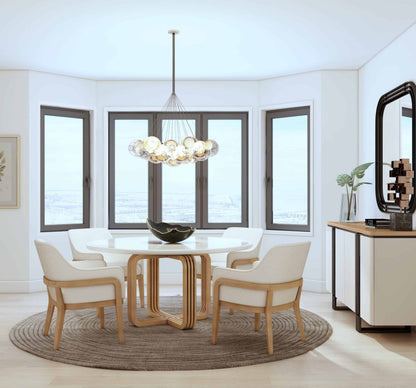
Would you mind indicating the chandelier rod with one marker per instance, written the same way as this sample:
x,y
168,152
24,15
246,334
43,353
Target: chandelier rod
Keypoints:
x,y
173,33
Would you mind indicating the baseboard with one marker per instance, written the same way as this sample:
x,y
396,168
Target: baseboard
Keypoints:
x,y
171,279
314,286
21,286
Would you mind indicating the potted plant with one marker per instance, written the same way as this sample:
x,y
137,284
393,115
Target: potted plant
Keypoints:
x,y
348,202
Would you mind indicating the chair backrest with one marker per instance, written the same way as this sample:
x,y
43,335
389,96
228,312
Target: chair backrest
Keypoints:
x,y
78,239
282,263
54,265
253,236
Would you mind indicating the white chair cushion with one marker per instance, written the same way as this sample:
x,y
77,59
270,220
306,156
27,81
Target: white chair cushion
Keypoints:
x,y
254,297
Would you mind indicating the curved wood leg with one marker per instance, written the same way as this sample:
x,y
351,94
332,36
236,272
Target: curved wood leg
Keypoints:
x,y
188,318
256,321
140,281
205,287
49,315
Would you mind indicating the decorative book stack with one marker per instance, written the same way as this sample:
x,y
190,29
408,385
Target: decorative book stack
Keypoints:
x,y
400,192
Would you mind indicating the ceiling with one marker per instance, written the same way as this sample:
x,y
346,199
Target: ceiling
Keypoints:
x,y
219,39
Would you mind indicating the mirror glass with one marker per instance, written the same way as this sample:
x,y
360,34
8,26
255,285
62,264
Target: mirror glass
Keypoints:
x,y
397,136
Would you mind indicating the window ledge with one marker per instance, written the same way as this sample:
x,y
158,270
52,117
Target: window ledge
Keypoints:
x,y
288,233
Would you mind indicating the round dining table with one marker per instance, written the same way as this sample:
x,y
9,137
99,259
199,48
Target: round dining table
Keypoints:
x,y
150,249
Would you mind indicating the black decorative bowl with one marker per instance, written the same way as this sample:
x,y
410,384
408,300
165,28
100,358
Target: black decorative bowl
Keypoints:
x,y
168,232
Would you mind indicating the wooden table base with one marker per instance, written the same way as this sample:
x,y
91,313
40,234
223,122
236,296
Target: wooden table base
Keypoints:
x,y
189,316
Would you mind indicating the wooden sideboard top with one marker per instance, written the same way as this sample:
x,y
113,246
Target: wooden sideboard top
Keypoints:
x,y
359,227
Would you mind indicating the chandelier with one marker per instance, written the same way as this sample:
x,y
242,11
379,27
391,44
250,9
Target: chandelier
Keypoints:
x,y
178,144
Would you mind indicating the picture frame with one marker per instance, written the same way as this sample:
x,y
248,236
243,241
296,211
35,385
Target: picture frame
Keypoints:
x,y
9,171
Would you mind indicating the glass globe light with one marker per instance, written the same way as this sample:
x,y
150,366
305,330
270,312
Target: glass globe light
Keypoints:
x,y
138,146
160,152
199,148
132,149
172,163
208,144
171,145
151,143
214,149
180,149
189,142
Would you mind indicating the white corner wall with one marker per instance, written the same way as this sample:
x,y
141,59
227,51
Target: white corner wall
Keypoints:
x,y
14,225
390,68
331,94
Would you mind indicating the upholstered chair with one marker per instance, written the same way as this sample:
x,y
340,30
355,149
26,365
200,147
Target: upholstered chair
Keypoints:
x,y
273,284
78,239
243,259
80,286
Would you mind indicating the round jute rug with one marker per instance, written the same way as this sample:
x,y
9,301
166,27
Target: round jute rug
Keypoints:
x,y
165,347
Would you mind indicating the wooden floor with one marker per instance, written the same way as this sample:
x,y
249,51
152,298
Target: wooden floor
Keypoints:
x,y
348,359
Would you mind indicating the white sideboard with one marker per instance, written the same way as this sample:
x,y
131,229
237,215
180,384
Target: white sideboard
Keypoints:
x,y
374,275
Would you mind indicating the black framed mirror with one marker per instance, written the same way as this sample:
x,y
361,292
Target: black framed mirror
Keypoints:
x,y
395,139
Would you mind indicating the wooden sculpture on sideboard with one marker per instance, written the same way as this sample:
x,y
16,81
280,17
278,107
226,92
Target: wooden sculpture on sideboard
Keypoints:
x,y
400,192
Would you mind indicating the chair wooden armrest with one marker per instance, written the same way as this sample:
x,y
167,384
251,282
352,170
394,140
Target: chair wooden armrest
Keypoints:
x,y
238,262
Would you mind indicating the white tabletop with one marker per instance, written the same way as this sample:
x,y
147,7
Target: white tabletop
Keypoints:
x,y
149,245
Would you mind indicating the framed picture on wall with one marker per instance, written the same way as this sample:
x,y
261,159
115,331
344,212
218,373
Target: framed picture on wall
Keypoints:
x,y
9,171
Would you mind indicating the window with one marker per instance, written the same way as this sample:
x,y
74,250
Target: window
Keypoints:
x,y
287,169
210,194
65,169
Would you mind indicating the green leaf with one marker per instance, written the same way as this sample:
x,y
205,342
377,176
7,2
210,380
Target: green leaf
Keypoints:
x,y
359,171
344,179
1,154
355,188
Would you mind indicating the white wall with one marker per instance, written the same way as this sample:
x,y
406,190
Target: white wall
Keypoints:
x,y
390,68
339,147
331,95
14,226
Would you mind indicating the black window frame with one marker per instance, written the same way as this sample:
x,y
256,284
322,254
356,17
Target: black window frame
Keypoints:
x,y
270,115
155,170
86,195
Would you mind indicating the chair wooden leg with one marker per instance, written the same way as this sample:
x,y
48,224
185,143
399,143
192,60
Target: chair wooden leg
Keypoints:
x,y
215,322
59,326
256,321
140,282
101,316
231,311
119,313
296,309
269,331
98,312
49,315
